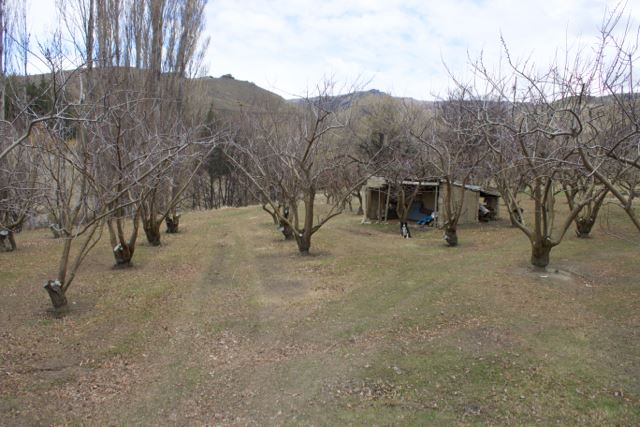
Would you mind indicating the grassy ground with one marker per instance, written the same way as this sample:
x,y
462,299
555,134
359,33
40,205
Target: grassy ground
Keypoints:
x,y
226,324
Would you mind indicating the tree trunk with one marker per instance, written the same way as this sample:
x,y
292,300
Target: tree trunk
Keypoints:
x,y
359,197
516,216
585,223
211,193
7,240
173,222
12,241
304,242
584,226
386,204
123,254
56,230
451,236
274,217
152,231
303,239
286,229
57,295
540,255
123,249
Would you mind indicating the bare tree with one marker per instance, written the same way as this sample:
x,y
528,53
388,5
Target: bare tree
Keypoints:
x,y
455,151
18,191
297,151
610,150
577,189
386,140
74,174
540,114
404,169
68,177
29,108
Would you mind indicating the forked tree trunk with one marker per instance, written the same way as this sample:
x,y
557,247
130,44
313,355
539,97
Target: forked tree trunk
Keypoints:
x,y
150,223
359,197
173,222
123,254
12,240
56,231
516,216
287,231
273,215
304,242
451,236
7,240
152,231
584,226
585,223
57,295
123,249
540,255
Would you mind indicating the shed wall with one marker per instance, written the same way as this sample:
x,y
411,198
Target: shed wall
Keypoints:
x,y
375,201
469,208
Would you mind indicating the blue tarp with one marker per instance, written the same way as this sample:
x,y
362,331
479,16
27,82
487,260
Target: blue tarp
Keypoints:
x,y
414,212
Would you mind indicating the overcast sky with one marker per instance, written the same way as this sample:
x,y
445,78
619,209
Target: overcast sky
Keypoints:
x,y
287,46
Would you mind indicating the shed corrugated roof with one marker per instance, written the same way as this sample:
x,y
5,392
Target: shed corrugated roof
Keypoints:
x,y
379,182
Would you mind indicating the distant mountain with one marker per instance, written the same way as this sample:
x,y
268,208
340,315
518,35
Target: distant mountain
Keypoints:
x,y
227,93
343,102
223,93
362,99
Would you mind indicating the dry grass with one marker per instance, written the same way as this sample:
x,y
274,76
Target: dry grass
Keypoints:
x,y
226,324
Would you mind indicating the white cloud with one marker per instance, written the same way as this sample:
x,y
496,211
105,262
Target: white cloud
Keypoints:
x,y
289,45
286,45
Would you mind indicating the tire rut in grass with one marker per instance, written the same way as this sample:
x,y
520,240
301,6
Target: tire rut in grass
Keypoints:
x,y
188,343
236,349
221,337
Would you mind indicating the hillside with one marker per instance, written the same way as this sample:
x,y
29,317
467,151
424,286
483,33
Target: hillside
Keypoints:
x,y
227,93
222,93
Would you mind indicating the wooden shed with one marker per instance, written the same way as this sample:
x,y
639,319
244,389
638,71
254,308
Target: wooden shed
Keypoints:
x,y
380,203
